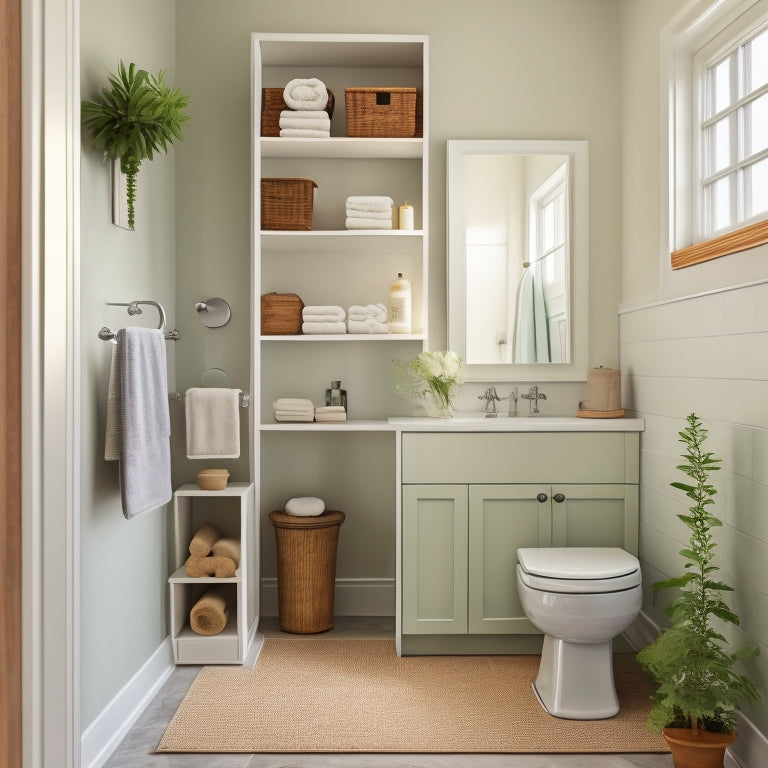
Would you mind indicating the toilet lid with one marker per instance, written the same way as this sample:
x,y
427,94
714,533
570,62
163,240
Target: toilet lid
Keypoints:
x,y
578,569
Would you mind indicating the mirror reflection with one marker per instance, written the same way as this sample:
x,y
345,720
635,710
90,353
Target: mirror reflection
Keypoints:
x,y
517,258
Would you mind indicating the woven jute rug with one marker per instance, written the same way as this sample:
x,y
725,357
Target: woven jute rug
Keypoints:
x,y
335,695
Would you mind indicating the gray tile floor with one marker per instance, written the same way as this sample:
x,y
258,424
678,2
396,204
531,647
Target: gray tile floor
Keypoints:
x,y
136,750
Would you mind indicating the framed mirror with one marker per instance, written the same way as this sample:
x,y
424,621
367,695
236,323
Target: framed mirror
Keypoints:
x,y
518,262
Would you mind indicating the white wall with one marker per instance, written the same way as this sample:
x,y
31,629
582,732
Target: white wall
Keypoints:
x,y
123,564
703,353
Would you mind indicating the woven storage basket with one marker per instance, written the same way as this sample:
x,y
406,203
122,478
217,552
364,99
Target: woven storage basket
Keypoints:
x,y
306,570
287,203
273,103
379,112
281,314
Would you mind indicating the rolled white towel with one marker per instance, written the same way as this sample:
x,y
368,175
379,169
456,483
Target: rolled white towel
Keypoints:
x,y
370,202
328,327
319,314
305,114
305,133
368,223
306,93
353,213
312,125
369,311
294,416
366,326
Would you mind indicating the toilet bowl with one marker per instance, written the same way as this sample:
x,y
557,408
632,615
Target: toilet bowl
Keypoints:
x,y
580,598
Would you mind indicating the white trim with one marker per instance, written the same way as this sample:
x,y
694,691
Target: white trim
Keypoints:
x,y
353,597
750,750
102,737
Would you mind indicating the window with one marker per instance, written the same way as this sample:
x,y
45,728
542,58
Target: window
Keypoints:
x,y
717,64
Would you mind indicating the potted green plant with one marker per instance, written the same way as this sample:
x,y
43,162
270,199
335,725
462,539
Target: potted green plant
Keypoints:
x,y
699,688
138,116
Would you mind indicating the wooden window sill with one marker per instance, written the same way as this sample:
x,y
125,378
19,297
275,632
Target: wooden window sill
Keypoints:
x,y
732,242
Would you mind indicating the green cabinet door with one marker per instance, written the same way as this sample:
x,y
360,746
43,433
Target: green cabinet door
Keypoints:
x,y
501,519
595,516
434,562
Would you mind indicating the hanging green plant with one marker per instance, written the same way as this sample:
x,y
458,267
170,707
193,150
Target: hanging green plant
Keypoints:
x,y
138,116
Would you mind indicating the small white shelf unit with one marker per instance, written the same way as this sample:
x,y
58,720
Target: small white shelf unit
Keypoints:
x,y
232,512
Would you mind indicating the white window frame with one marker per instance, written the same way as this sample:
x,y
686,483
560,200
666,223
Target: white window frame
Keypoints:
x,y
700,22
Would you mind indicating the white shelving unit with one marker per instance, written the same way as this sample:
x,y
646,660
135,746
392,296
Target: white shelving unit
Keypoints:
x,y
232,512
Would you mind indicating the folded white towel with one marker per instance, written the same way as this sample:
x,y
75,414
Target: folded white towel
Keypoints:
x,y
368,223
305,133
312,125
306,93
328,327
321,314
370,202
368,312
331,413
293,416
213,423
366,326
305,114
331,418
293,404
330,409
353,213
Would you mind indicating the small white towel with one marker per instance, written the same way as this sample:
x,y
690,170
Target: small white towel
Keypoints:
x,y
305,114
213,423
331,413
353,213
368,223
316,328
320,314
312,124
305,133
366,326
376,311
293,404
294,416
370,202
306,93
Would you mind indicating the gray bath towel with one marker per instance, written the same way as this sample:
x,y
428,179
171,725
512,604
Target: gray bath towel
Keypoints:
x,y
145,423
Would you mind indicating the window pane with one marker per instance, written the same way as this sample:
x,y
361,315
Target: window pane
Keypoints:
x,y
758,121
718,196
758,185
719,136
757,52
721,81
548,225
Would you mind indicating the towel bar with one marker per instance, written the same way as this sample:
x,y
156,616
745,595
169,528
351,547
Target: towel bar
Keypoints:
x,y
105,334
245,398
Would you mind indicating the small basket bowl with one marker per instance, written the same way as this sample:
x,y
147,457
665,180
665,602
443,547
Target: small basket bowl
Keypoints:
x,y
212,479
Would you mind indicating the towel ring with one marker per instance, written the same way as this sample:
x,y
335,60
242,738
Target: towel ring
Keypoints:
x,y
105,334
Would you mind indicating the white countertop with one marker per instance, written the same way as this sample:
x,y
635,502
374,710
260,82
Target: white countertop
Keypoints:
x,y
479,423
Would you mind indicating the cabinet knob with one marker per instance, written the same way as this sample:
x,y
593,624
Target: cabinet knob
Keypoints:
x,y
559,498
542,497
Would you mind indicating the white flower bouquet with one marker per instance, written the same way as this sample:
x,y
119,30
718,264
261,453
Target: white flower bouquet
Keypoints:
x,y
435,377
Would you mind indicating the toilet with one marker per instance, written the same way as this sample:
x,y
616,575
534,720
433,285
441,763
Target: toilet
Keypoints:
x,y
580,598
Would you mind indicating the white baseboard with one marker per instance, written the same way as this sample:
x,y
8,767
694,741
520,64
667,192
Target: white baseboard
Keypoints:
x,y
354,597
104,734
641,632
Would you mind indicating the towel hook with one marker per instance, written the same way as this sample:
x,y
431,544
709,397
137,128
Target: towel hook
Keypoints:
x,y
105,334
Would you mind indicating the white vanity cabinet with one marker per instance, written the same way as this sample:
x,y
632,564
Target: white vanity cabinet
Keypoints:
x,y
506,490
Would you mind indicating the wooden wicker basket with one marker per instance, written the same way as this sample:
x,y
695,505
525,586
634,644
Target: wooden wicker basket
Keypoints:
x,y
306,570
273,103
380,112
286,204
281,314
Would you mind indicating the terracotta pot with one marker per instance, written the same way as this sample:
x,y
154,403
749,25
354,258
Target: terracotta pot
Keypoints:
x,y
697,749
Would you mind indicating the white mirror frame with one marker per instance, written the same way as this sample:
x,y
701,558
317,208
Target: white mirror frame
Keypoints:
x,y
576,369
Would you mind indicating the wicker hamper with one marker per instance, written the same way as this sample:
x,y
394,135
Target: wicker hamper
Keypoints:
x,y
281,314
273,103
381,112
286,204
306,570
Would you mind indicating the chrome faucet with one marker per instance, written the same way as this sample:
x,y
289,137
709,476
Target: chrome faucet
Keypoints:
x,y
491,398
533,396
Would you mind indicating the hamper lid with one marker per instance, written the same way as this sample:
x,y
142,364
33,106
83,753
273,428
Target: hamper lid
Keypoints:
x,y
326,520
577,562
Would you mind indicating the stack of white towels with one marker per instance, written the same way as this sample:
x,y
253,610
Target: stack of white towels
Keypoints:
x,y
371,318
293,409
331,414
369,212
323,319
306,116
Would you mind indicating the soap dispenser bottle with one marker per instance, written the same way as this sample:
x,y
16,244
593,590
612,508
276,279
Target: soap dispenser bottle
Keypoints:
x,y
336,395
400,305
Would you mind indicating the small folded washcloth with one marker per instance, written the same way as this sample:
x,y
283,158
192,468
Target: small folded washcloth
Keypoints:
x,y
306,93
325,327
353,213
305,133
313,123
368,312
213,423
323,314
368,223
366,326
370,202
294,416
331,413
298,404
305,114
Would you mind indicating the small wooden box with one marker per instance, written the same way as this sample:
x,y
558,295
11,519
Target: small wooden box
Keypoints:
x,y
381,112
273,103
281,314
286,204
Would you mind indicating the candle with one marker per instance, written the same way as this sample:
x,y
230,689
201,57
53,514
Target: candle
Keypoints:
x,y
406,216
